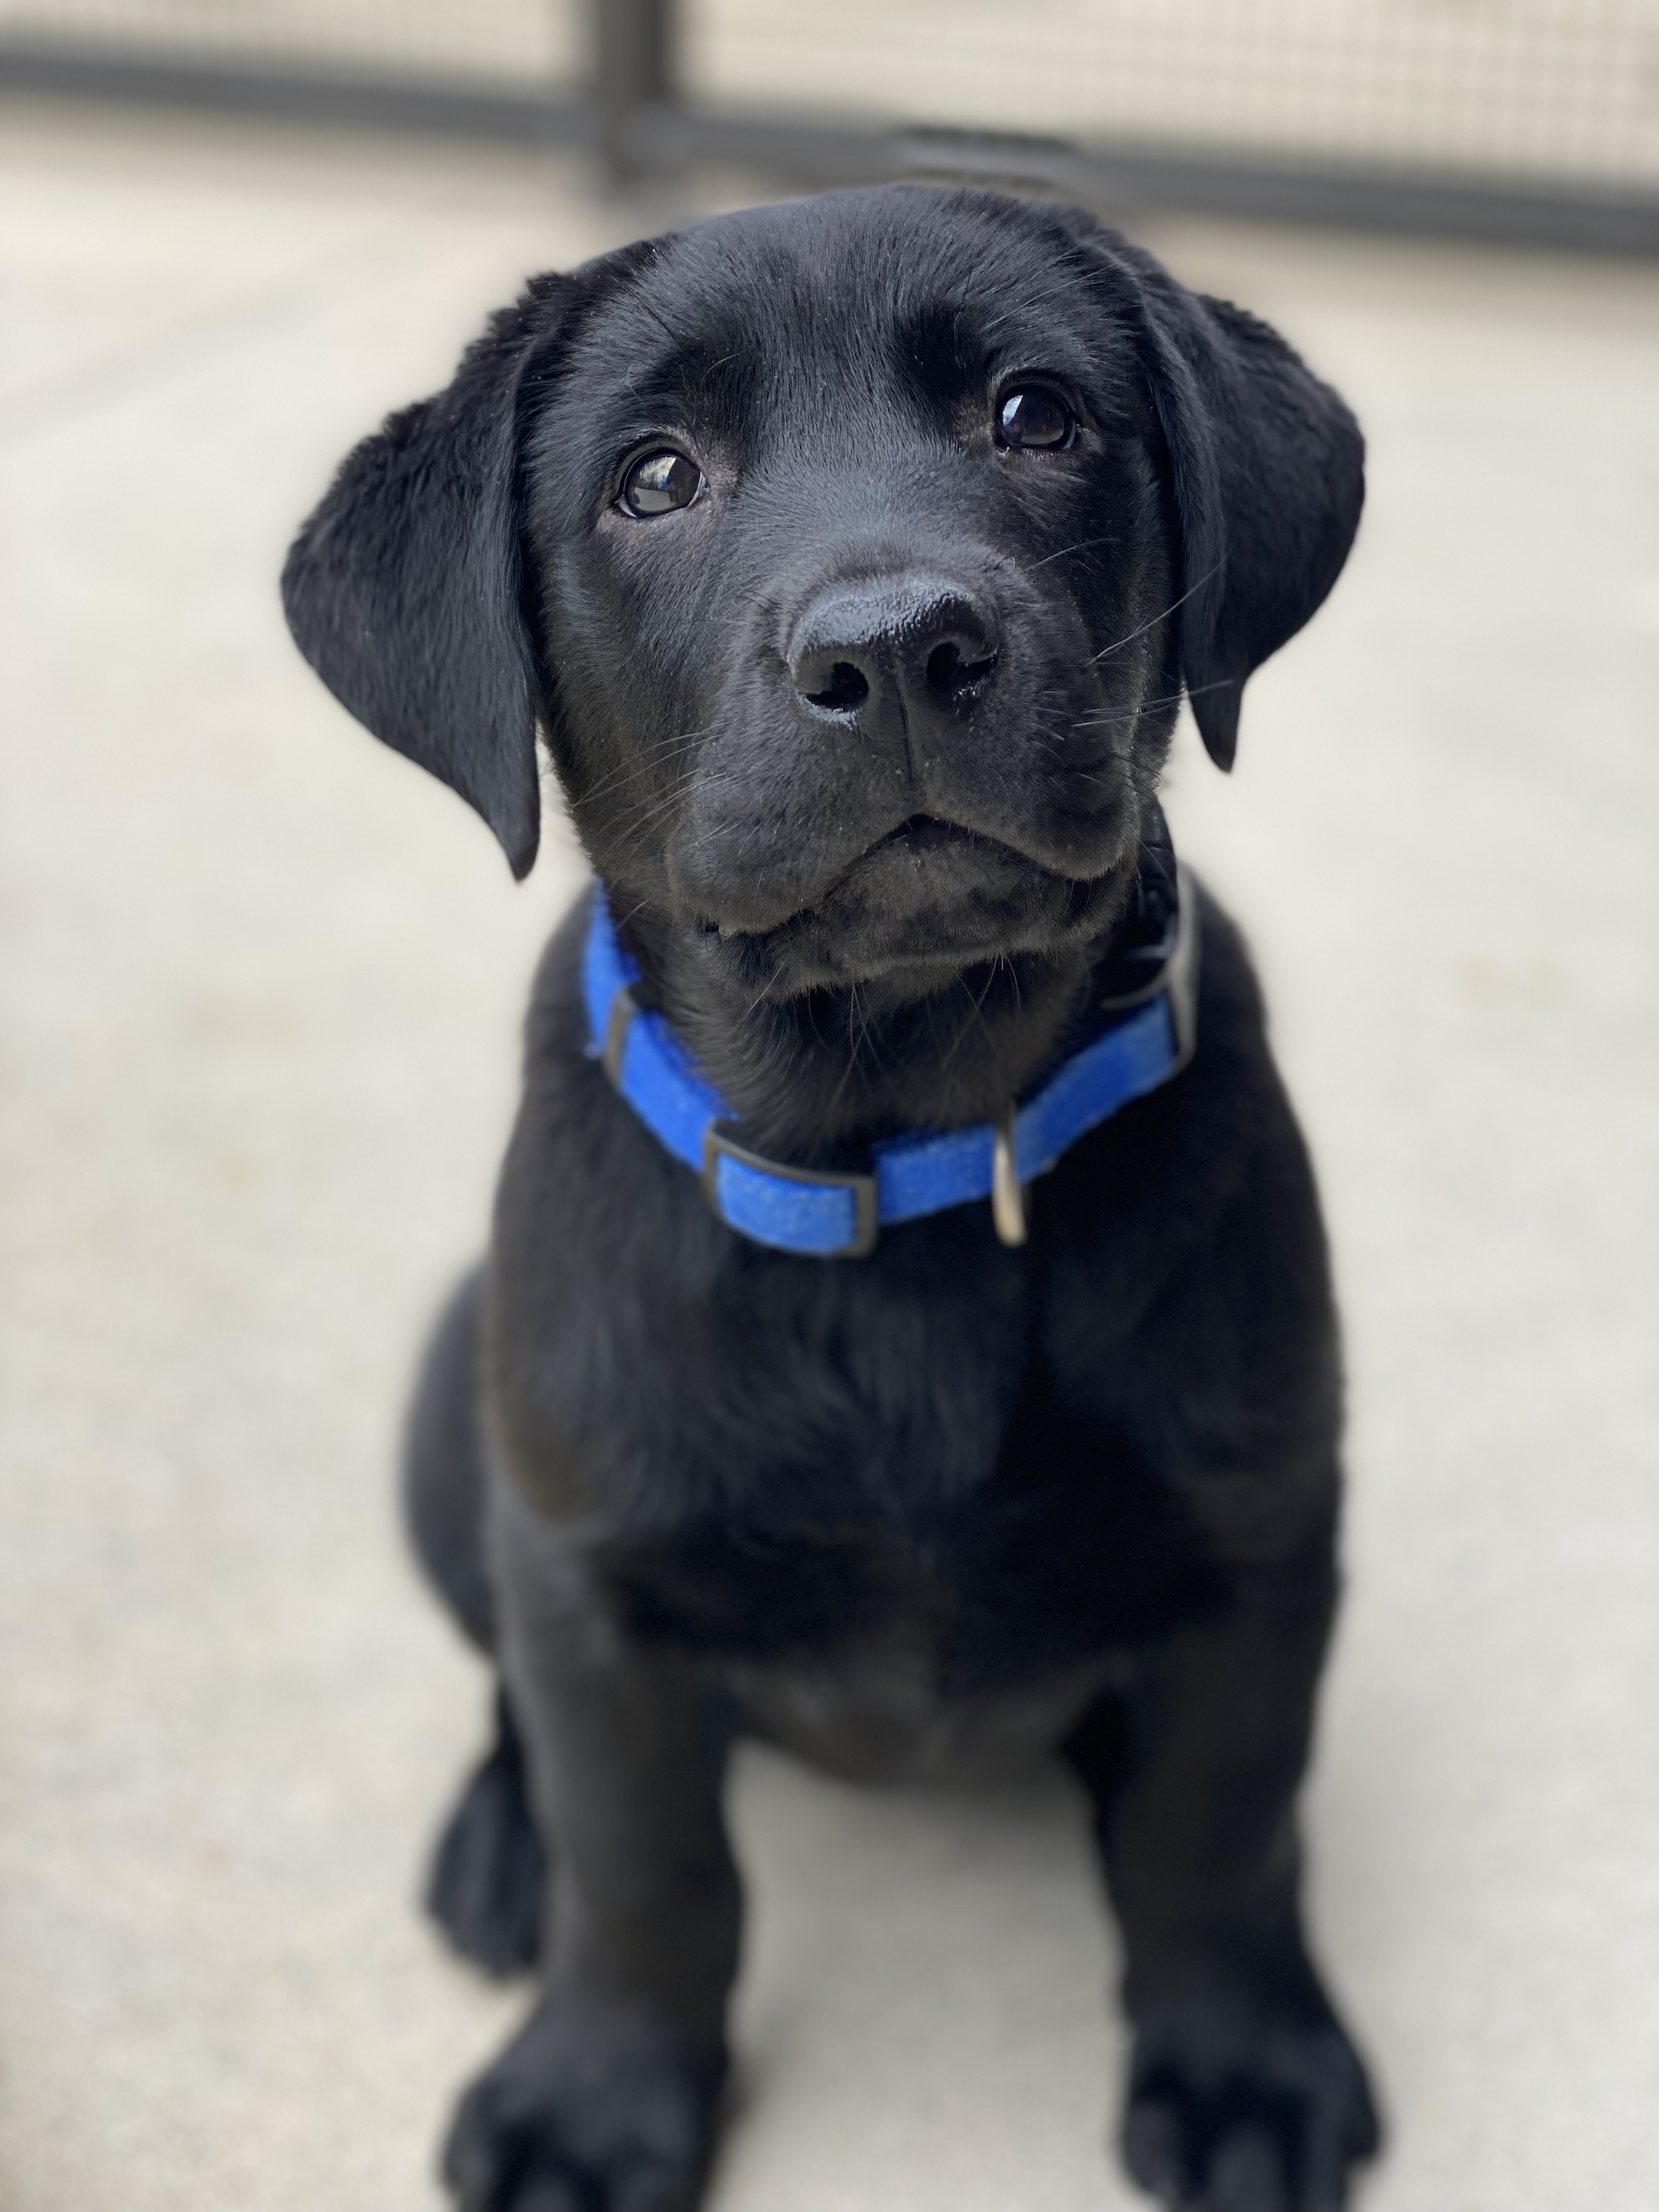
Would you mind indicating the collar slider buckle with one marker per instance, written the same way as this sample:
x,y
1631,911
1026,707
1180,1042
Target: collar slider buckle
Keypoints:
x,y
864,1213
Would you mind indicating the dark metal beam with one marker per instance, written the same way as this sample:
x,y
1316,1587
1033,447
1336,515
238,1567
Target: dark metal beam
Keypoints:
x,y
376,101
633,70
641,133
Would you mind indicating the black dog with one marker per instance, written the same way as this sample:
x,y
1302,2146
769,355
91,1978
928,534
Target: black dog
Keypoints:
x,y
851,559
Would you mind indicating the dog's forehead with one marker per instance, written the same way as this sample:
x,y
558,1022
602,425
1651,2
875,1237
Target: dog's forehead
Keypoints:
x,y
842,292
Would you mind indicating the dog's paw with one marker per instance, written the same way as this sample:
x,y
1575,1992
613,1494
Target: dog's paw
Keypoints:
x,y
1231,2110
584,2111
490,1871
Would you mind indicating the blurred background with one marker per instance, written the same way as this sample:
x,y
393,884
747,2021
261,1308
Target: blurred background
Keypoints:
x,y
1527,117
259,989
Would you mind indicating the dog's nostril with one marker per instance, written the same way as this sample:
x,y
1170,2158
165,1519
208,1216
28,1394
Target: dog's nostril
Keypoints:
x,y
947,670
848,687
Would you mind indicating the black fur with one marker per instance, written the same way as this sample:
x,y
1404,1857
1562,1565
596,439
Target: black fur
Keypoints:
x,y
867,742
489,1870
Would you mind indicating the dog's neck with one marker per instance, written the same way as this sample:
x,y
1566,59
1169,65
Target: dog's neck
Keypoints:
x,y
816,1077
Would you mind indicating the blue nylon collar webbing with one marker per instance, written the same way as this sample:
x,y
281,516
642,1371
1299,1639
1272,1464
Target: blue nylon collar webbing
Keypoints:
x,y
1149,1038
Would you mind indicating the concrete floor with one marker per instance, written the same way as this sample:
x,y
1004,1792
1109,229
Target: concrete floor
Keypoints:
x,y
260,987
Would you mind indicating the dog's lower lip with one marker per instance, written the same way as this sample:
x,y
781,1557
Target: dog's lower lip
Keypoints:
x,y
920,834
800,962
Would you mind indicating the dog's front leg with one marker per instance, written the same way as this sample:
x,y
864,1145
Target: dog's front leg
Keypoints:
x,y
605,2099
1245,2094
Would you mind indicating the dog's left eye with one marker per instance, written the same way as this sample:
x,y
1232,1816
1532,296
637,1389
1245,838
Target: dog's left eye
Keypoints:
x,y
1035,417
657,483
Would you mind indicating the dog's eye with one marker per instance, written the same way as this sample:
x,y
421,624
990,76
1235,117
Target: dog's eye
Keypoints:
x,y
657,483
1035,418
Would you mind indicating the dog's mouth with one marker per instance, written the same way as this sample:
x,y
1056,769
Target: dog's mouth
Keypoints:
x,y
925,902
931,832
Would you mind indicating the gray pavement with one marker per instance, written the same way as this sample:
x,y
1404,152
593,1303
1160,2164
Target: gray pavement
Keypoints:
x,y
259,983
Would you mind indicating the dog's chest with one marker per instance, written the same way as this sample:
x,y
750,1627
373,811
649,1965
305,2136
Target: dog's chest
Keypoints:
x,y
911,1501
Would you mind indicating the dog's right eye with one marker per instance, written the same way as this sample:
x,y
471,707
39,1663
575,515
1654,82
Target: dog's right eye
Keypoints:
x,y
659,483
1035,419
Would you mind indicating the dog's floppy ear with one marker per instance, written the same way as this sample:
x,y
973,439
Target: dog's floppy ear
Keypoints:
x,y
403,590
1269,476
1268,471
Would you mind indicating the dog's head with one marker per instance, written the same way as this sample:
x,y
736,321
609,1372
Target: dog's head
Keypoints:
x,y
851,557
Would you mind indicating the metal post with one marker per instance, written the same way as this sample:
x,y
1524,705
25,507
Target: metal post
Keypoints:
x,y
633,70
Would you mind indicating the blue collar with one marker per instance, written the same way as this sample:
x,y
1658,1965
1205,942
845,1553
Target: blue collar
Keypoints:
x,y
1147,1038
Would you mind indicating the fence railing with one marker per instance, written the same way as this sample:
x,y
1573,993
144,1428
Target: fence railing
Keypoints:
x,y
1534,120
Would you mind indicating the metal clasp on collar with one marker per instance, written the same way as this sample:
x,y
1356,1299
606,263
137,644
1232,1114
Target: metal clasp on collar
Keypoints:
x,y
718,1144
1007,1192
619,1020
1181,977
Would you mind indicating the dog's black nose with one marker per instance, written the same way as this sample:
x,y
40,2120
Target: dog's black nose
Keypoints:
x,y
920,643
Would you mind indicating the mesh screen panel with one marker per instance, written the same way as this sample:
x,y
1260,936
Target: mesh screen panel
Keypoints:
x,y
1565,89
519,43
1532,89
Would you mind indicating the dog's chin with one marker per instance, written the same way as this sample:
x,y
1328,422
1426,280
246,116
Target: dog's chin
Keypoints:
x,y
922,907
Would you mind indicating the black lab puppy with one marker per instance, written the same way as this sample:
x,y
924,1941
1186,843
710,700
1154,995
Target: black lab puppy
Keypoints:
x,y
907,1334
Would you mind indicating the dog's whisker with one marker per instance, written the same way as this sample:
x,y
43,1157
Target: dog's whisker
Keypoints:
x,y
1106,651
976,1013
647,817
1081,546
851,1061
659,756
1093,721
